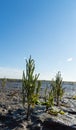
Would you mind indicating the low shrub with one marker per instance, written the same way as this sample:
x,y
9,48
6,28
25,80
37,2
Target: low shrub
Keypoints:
x,y
53,112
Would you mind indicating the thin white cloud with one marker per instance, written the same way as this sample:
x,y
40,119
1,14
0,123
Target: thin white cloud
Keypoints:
x,y
69,59
10,73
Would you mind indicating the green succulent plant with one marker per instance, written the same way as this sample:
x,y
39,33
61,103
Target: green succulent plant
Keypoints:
x,y
30,85
57,88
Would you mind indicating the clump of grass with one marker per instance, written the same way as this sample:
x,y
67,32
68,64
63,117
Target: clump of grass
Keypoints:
x,y
74,97
55,112
61,112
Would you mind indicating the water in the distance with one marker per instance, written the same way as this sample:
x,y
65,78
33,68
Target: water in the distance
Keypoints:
x,y
70,87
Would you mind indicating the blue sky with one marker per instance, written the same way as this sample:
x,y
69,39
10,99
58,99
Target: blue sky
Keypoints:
x,y
46,29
